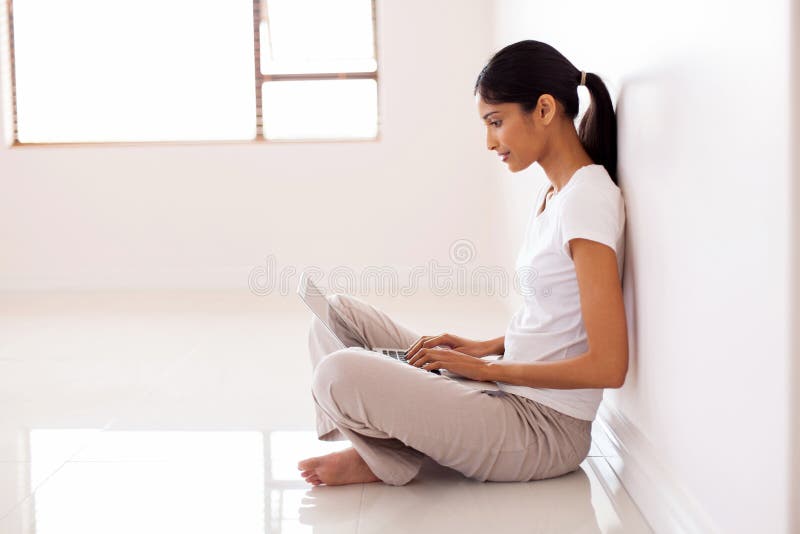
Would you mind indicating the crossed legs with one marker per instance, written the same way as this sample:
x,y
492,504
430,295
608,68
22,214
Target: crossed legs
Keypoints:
x,y
395,414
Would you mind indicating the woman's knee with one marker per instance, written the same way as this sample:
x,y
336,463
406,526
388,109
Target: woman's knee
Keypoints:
x,y
337,368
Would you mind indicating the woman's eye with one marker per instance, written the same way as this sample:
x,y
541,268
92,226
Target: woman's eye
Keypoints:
x,y
495,123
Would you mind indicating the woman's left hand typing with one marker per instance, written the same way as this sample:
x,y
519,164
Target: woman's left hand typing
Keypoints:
x,y
444,358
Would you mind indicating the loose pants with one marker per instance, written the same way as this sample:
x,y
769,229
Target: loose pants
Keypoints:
x,y
395,414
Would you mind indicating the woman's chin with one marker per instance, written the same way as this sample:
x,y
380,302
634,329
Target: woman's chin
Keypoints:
x,y
514,167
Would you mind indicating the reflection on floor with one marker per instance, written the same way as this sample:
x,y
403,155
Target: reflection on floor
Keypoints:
x,y
188,412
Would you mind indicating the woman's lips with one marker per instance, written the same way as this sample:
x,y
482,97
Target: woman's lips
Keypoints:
x,y
505,156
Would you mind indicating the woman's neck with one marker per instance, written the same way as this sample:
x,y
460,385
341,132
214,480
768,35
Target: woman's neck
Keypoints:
x,y
565,156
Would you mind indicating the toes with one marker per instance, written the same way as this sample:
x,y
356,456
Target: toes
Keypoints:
x,y
309,475
313,479
307,464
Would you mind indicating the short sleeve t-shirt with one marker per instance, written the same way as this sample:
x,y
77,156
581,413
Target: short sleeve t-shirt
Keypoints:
x,y
549,324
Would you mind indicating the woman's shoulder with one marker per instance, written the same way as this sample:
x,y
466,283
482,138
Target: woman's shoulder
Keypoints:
x,y
593,181
594,196
593,206
594,176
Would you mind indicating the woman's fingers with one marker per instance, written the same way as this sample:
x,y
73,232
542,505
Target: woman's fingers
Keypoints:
x,y
419,355
428,342
417,345
443,339
426,355
462,364
411,355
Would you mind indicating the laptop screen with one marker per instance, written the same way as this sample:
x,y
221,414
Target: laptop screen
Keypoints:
x,y
318,303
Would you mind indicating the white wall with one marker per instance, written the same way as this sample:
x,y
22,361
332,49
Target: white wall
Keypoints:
x,y
205,215
702,99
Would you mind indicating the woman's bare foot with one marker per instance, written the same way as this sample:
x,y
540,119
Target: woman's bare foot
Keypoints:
x,y
337,468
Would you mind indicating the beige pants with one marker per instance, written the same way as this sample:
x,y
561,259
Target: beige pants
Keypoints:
x,y
395,414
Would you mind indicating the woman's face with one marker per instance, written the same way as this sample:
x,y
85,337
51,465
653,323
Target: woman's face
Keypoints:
x,y
517,137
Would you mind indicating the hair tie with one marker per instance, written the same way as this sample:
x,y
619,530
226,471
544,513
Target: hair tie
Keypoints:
x,y
583,78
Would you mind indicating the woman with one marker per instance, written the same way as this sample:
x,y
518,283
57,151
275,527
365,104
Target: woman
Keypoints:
x,y
566,343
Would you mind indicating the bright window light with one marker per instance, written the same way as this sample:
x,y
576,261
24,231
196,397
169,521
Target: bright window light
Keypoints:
x,y
131,482
320,109
287,447
318,36
156,70
94,71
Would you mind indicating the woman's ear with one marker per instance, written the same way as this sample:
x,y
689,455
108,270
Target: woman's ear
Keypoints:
x,y
545,109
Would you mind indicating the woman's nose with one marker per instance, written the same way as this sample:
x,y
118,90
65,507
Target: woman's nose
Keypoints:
x,y
490,142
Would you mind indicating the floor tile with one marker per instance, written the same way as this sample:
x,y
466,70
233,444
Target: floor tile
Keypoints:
x,y
442,500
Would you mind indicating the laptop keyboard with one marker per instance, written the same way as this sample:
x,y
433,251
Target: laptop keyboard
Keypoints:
x,y
396,354
400,355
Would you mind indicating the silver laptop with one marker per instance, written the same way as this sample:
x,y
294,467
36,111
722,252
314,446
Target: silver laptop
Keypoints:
x,y
339,325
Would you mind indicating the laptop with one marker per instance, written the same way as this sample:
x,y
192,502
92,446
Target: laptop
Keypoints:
x,y
338,324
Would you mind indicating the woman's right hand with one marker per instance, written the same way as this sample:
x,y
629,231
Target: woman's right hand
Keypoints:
x,y
456,343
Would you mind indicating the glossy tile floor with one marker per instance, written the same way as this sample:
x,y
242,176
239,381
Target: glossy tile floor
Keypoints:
x,y
151,412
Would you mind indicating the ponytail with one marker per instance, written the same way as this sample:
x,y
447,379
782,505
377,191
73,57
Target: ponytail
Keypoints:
x,y
598,127
523,71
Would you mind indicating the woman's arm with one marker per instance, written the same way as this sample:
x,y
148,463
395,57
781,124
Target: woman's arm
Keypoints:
x,y
606,362
495,346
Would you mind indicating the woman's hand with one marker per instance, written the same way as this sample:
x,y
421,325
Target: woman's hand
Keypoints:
x,y
457,343
465,365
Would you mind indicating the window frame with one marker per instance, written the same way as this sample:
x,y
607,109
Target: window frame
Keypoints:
x,y
259,16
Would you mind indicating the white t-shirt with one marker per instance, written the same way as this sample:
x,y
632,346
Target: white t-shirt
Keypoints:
x,y
549,325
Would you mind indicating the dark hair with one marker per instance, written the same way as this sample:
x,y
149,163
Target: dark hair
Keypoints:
x,y
524,71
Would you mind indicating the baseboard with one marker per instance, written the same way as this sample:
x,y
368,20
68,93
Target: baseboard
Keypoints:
x,y
662,501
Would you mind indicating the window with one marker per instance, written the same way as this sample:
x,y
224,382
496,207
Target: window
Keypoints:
x,y
319,72
94,71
